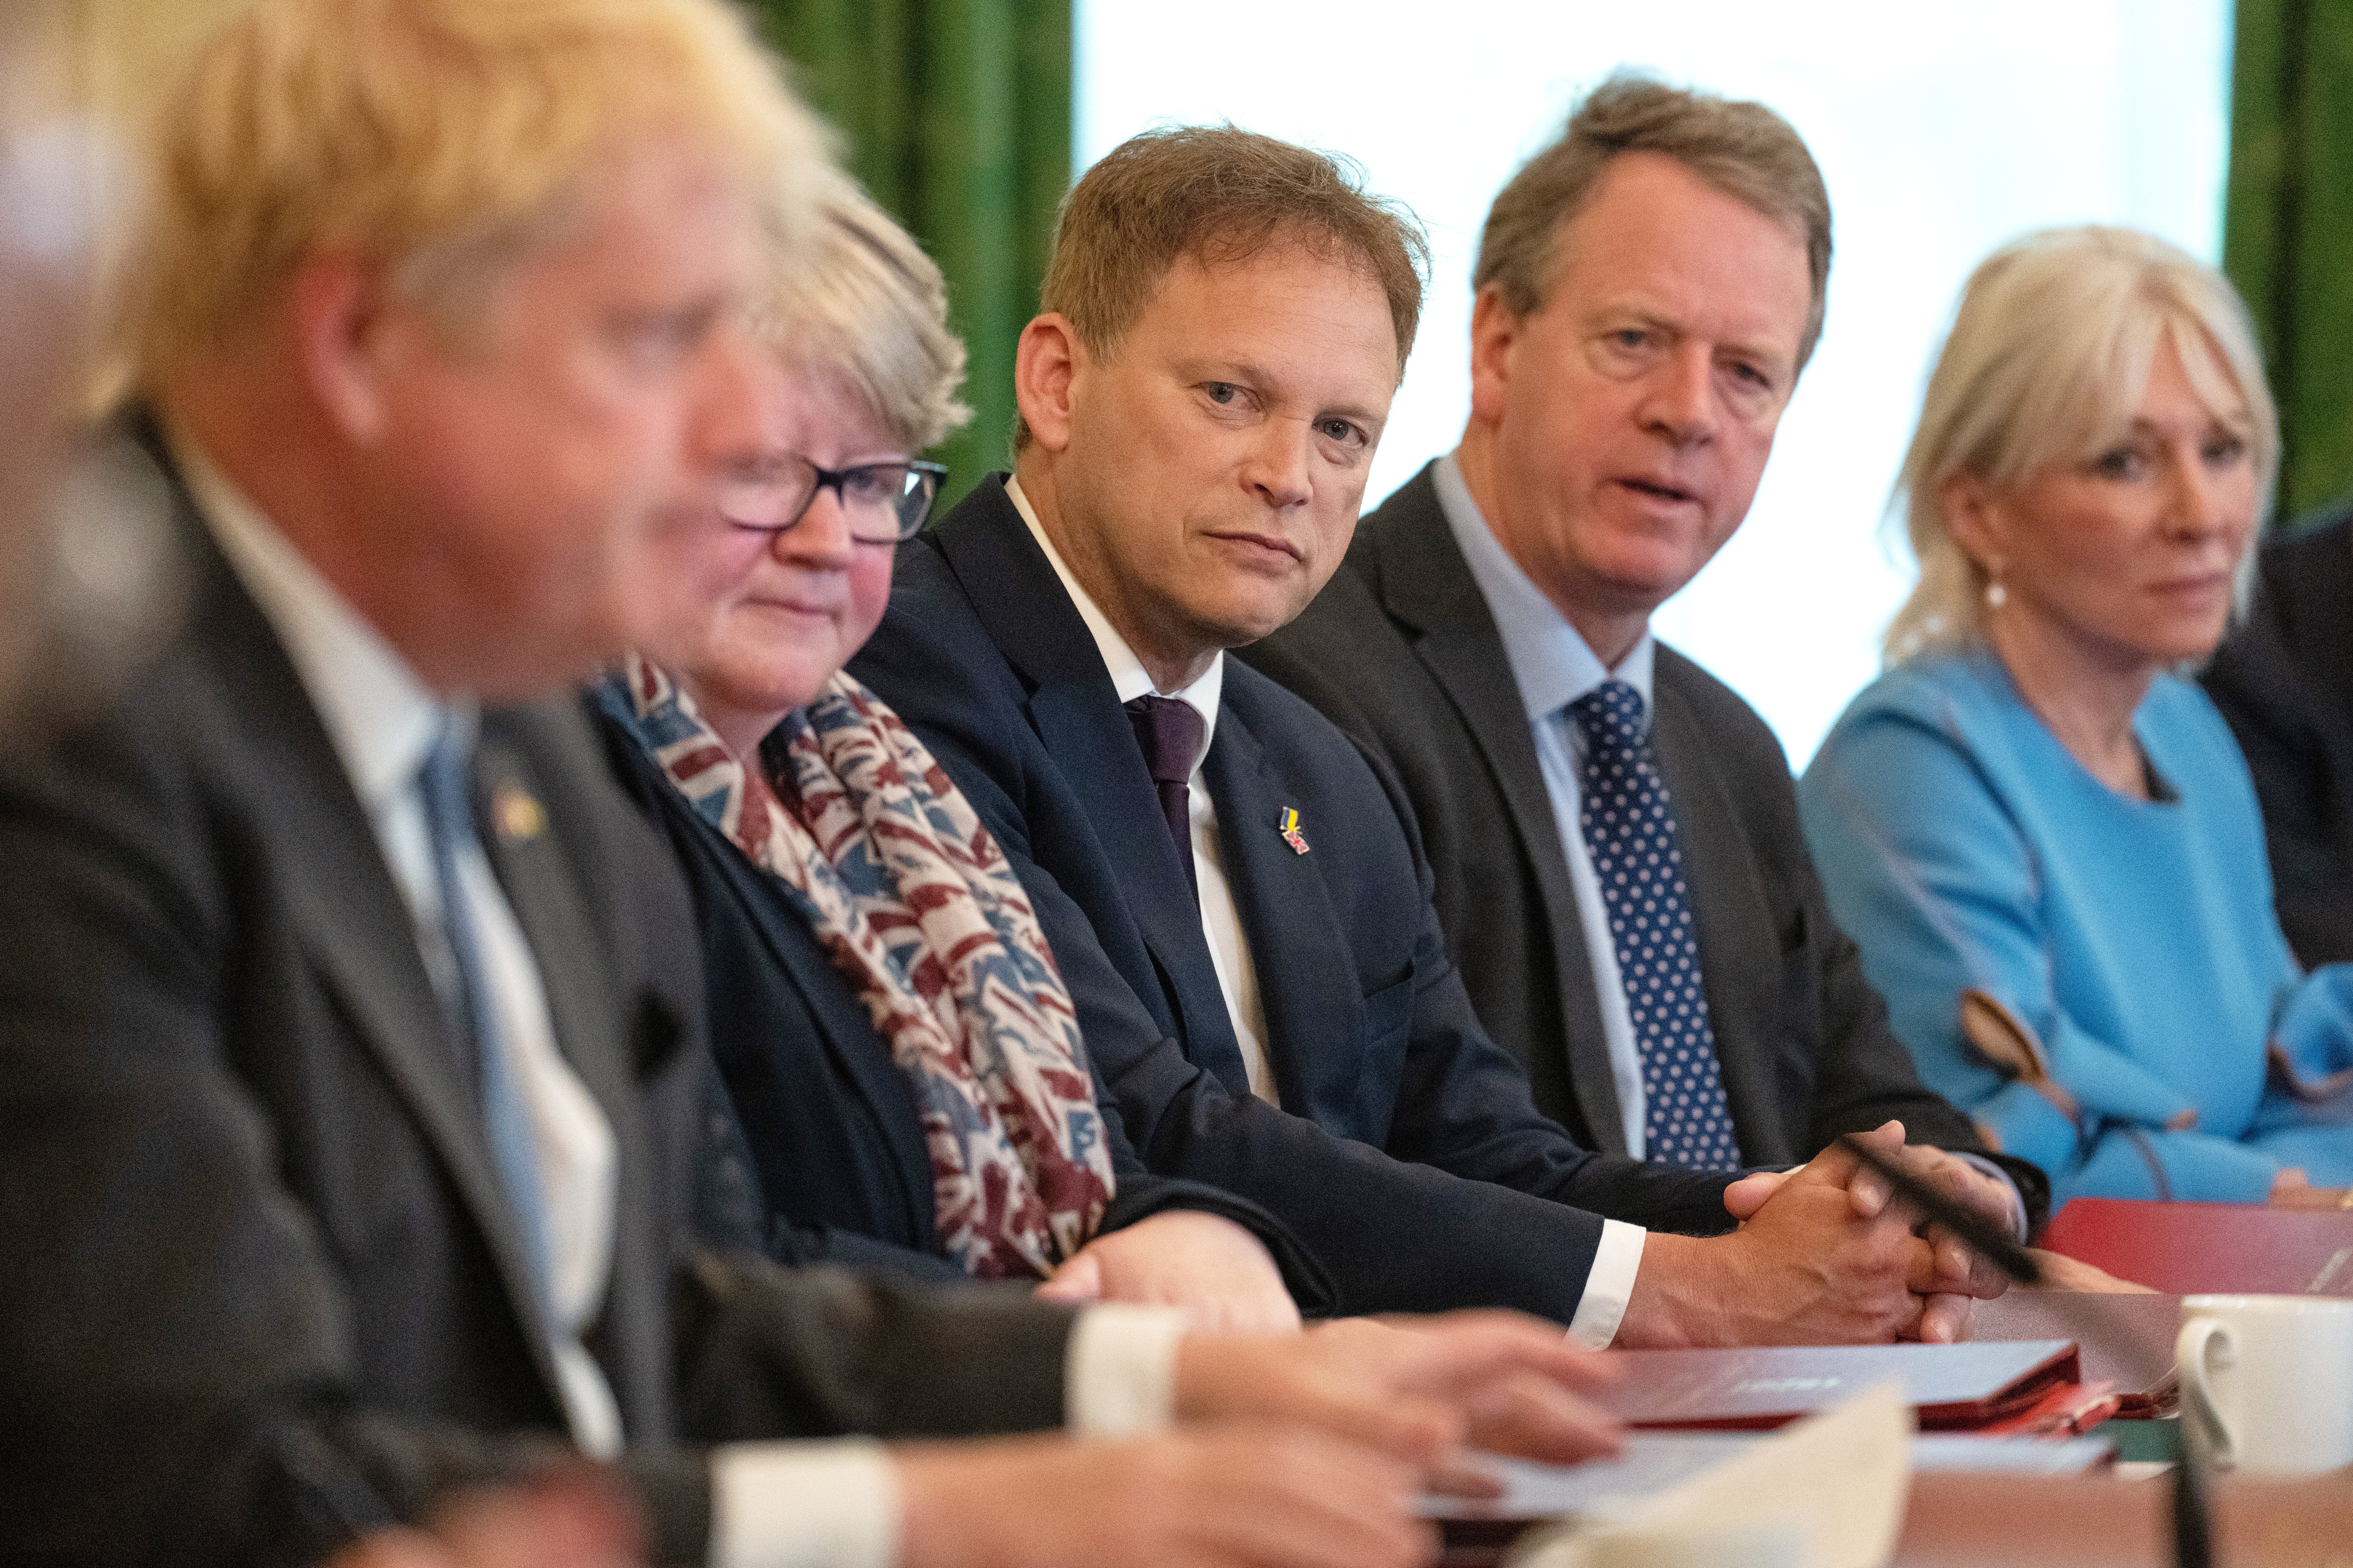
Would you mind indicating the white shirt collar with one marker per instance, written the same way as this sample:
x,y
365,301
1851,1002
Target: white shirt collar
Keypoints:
x,y
382,719
1550,661
1128,676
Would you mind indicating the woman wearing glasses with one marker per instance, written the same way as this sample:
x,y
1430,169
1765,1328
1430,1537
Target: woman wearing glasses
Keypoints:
x,y
895,1043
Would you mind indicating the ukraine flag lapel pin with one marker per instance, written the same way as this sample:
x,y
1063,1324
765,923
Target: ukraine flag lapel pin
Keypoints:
x,y
1288,825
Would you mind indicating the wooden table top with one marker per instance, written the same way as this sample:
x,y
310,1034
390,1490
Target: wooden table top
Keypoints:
x,y
2085,1521
2080,1522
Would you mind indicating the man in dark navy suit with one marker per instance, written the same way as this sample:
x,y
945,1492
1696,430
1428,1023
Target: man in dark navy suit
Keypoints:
x,y
1235,893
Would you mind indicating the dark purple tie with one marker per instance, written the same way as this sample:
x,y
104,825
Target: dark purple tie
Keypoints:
x,y
1169,732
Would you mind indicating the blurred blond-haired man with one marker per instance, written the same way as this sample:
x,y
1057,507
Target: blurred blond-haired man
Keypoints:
x,y
349,1054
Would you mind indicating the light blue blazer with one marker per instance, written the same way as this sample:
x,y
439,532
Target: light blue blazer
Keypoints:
x,y
1963,845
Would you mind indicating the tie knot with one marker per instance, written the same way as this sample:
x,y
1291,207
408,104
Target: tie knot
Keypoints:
x,y
1610,715
1170,733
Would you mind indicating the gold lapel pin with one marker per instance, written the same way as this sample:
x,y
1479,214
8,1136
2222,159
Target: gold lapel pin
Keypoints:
x,y
1288,825
517,813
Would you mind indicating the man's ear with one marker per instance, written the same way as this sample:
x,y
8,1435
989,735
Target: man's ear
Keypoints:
x,y
1495,328
1045,365
339,308
1974,519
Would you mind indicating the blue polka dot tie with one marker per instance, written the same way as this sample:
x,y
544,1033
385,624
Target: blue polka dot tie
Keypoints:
x,y
1630,827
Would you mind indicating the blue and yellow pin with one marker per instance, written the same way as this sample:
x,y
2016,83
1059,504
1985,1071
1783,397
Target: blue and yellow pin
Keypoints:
x,y
1288,825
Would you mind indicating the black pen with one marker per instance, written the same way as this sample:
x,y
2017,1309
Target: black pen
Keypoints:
x,y
1974,1230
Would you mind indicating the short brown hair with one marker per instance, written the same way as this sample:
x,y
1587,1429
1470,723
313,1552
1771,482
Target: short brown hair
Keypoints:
x,y
1744,150
1219,195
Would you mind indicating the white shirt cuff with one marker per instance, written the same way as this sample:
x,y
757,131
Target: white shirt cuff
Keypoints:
x,y
804,1505
1119,1378
2017,1198
1607,1288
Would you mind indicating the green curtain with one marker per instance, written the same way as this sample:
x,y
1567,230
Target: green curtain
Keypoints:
x,y
956,115
2288,231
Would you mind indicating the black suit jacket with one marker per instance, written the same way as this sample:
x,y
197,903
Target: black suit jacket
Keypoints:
x,y
2285,680
262,1286
1415,1167
1401,651
830,1126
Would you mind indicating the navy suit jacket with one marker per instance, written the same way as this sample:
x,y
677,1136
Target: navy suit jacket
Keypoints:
x,y
1410,1157
1401,651
818,1120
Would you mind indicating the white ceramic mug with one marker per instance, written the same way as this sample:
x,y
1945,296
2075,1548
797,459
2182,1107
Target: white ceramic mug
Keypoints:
x,y
2267,1382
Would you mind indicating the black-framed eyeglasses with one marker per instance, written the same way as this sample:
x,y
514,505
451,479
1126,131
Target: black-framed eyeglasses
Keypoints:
x,y
881,503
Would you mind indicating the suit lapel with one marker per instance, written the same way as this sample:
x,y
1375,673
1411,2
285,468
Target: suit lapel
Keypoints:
x,y
1425,585
1739,953
358,928
574,965
1313,1012
1075,711
351,918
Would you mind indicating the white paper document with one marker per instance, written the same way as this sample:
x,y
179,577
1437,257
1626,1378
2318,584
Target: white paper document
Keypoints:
x,y
1832,1487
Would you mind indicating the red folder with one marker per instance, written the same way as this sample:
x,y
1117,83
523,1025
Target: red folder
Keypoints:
x,y
2186,1249
1963,1387
2124,1340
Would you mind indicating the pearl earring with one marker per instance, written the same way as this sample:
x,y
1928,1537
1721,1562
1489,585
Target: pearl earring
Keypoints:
x,y
1995,596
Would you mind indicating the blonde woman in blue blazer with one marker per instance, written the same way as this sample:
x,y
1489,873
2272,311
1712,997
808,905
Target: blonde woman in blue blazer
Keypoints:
x,y
2043,838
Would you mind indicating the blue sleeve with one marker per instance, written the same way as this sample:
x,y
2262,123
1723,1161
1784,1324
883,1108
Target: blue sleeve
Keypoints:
x,y
1929,871
2310,1126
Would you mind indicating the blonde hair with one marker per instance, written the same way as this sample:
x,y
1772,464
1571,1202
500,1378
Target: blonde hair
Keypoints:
x,y
860,304
2047,361
438,137
1744,150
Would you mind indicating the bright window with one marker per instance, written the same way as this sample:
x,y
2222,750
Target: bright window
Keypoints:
x,y
1942,132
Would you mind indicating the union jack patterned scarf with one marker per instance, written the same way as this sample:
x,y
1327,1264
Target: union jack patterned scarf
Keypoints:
x,y
917,908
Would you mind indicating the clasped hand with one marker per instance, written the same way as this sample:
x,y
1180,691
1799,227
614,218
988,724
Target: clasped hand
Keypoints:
x,y
1941,1275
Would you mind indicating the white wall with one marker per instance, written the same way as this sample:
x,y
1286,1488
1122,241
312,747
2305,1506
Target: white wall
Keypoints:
x,y
1941,131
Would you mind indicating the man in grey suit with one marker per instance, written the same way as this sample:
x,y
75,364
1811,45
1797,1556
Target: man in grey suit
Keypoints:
x,y
1649,288
349,1064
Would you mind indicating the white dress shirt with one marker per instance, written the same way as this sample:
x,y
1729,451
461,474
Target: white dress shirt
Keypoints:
x,y
1553,666
1620,1256
774,1505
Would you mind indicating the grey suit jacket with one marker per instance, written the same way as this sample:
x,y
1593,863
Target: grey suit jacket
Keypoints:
x,y
262,1289
1401,651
